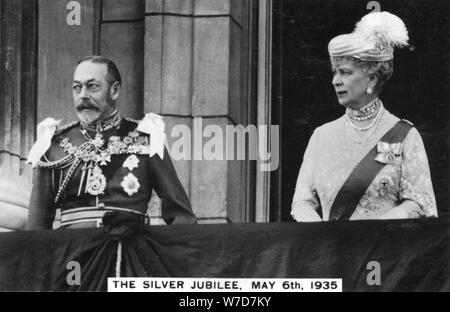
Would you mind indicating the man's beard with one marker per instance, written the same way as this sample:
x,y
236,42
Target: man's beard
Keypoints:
x,y
88,116
88,111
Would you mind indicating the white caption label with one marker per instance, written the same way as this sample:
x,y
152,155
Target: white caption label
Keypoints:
x,y
143,284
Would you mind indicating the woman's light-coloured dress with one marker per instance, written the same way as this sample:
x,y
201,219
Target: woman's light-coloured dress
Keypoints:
x,y
403,187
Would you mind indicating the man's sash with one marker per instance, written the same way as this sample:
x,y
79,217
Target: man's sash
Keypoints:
x,y
363,174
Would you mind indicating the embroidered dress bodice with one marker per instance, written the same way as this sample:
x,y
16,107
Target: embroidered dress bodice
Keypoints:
x,y
331,156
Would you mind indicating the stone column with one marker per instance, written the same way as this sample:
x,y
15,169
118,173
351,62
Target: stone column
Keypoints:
x,y
61,45
122,40
18,20
194,68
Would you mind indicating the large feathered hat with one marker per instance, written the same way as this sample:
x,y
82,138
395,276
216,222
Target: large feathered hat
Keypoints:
x,y
374,38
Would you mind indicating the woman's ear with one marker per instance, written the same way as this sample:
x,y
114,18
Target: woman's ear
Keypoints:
x,y
115,90
373,81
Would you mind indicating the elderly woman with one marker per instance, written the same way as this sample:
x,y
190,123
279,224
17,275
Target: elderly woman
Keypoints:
x,y
368,164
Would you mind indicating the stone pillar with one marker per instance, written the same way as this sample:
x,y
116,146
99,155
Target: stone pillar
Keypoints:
x,y
194,52
122,40
18,32
61,45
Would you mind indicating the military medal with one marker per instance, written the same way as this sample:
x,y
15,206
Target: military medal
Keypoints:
x,y
130,184
96,182
95,154
131,162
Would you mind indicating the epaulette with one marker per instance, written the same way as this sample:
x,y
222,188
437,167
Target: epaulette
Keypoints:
x,y
66,127
153,125
46,130
411,124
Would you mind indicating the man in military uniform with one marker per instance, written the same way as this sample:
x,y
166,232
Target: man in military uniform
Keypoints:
x,y
103,162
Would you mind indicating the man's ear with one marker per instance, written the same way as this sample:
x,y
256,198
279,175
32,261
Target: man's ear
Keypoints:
x,y
115,90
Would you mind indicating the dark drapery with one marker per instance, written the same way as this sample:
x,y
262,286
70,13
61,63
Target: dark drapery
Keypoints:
x,y
413,254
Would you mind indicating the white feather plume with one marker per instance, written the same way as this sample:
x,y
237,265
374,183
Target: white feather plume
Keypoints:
x,y
385,26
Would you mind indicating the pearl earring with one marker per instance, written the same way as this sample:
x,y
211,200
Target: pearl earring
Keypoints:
x,y
369,90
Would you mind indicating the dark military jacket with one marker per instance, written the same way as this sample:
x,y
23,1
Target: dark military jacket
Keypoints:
x,y
152,173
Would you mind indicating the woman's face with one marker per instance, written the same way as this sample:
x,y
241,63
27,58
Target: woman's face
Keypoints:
x,y
350,82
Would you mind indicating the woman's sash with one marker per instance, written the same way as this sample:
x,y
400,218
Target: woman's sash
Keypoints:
x,y
363,174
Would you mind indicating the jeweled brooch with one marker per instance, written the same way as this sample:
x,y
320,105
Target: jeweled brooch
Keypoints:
x,y
388,153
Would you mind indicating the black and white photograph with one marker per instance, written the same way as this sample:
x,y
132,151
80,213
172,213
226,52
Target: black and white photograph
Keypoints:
x,y
224,152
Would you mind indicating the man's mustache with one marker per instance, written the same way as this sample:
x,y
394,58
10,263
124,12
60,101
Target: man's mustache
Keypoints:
x,y
86,104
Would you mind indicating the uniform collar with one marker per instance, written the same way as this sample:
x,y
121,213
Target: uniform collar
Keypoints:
x,y
112,121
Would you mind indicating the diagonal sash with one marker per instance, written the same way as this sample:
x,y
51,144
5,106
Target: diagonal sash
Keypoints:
x,y
363,174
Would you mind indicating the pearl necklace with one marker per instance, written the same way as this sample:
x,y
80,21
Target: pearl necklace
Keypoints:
x,y
367,127
365,141
366,112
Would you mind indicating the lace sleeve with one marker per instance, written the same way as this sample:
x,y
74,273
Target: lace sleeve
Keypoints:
x,y
415,180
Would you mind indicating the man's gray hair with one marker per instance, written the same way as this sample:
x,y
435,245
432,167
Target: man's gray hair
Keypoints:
x,y
113,74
